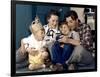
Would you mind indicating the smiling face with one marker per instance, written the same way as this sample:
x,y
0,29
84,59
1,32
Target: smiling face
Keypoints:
x,y
64,29
53,21
72,23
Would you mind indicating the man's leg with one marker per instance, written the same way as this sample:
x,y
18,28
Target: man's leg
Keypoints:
x,y
87,61
81,56
76,55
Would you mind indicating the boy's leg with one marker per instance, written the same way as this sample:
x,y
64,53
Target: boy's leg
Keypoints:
x,y
67,51
56,53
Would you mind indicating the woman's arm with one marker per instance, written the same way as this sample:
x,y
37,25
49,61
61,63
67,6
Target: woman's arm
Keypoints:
x,y
22,48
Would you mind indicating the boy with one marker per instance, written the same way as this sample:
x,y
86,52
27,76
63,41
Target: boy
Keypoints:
x,y
62,51
35,46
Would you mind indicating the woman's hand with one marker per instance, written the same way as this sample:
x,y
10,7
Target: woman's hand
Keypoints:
x,y
22,48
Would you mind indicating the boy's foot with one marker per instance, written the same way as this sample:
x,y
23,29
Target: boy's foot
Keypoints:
x,y
59,67
56,67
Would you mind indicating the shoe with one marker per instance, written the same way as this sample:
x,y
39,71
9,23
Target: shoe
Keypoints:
x,y
71,67
53,67
59,67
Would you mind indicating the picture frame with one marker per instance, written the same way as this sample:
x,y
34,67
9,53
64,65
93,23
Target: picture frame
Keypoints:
x,y
24,12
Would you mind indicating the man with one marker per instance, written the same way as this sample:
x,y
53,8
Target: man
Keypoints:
x,y
81,55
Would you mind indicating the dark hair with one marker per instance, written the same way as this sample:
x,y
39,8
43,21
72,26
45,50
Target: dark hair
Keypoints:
x,y
71,13
63,23
52,12
79,21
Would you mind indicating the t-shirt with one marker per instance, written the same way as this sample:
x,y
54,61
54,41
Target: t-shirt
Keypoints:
x,y
30,41
74,35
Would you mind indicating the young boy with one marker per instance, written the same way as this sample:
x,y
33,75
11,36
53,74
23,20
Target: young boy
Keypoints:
x,y
36,46
62,51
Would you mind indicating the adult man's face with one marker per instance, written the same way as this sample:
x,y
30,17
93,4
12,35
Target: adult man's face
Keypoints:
x,y
71,22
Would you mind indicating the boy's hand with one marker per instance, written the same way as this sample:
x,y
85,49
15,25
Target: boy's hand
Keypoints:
x,y
64,39
61,36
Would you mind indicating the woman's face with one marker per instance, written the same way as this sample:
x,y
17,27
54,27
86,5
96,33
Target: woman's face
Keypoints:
x,y
40,35
53,20
64,29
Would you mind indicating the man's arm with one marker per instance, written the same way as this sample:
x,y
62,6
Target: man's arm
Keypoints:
x,y
73,42
87,39
68,40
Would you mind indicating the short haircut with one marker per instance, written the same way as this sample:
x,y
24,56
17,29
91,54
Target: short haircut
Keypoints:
x,y
63,23
71,14
52,12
